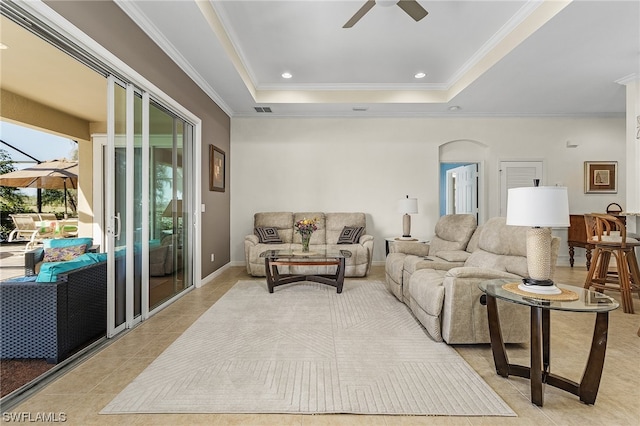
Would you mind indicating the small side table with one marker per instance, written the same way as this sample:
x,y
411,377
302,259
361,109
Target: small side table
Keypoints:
x,y
539,372
392,239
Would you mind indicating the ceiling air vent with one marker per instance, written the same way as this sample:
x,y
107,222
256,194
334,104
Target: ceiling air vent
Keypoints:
x,y
263,109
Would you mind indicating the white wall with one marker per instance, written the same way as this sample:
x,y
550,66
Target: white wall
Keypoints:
x,y
342,164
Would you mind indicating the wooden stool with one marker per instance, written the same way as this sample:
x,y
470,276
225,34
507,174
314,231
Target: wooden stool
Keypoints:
x,y
609,235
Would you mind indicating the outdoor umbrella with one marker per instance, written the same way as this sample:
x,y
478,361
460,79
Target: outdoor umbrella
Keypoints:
x,y
54,174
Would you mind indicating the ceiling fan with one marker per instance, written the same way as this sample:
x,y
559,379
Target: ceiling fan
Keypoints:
x,y
411,7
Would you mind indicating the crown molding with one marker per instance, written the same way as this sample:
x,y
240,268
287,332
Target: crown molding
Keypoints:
x,y
136,15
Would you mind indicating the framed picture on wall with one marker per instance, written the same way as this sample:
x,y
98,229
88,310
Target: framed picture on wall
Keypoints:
x,y
216,169
600,177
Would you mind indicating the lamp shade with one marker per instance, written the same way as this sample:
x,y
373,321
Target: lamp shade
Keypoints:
x,y
408,205
541,206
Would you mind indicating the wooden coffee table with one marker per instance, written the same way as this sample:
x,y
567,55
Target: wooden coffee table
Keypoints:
x,y
275,258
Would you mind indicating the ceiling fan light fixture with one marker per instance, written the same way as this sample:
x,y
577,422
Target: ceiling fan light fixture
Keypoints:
x,y
420,75
287,75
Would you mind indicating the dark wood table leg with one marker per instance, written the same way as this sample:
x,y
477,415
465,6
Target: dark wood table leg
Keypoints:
x,y
497,343
267,270
546,337
537,356
571,253
593,371
340,275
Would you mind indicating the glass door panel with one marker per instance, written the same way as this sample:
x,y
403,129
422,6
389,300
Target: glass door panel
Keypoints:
x,y
123,212
115,188
147,194
168,254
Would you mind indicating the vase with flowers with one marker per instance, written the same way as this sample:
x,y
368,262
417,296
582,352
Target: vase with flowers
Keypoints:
x,y
305,228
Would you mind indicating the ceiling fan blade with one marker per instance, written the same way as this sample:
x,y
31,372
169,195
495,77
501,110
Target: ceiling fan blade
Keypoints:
x,y
413,9
360,13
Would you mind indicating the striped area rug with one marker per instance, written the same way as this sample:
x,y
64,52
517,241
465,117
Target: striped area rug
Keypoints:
x,y
307,349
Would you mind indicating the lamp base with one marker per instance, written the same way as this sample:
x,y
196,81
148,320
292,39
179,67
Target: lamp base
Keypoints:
x,y
539,286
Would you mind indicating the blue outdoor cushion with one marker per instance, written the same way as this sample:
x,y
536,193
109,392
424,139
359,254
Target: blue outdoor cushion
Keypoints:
x,y
66,242
98,257
49,270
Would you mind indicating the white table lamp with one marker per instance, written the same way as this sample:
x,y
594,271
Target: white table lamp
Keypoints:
x,y
407,206
541,207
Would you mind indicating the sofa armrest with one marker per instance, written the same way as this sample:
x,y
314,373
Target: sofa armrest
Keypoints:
x,y
464,316
252,239
481,274
31,259
364,238
409,247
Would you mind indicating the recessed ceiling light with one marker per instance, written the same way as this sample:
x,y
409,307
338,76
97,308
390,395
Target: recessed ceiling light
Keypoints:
x,y
454,108
287,75
420,75
3,46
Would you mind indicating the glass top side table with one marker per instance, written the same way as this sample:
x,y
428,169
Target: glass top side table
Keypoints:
x,y
539,371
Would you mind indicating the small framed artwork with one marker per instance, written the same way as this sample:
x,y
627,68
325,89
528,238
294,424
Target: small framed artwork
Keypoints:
x,y
216,169
600,177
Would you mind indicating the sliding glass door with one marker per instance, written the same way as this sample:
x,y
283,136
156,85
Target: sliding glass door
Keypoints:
x,y
169,237
146,195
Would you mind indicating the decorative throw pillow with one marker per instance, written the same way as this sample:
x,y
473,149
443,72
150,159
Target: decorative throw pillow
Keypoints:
x,y
63,254
268,235
350,234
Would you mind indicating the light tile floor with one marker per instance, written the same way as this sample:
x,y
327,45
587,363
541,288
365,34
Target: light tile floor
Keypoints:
x,y
82,392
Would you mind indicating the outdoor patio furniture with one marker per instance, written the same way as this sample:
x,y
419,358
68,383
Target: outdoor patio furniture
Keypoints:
x,y
51,320
25,226
33,257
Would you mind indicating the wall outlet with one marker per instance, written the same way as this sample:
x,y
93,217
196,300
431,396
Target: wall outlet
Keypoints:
x,y
213,257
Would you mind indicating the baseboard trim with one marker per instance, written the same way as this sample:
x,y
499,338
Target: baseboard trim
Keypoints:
x,y
215,274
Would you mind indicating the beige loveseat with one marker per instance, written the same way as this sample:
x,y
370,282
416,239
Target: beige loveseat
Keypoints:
x,y
330,228
448,302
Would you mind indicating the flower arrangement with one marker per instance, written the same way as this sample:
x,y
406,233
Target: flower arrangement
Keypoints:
x,y
305,228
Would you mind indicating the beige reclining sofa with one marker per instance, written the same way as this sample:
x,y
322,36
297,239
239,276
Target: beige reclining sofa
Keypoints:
x,y
331,227
448,302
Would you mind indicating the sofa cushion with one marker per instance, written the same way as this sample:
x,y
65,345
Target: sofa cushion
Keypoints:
x,y
499,238
498,262
63,254
268,235
49,270
283,221
66,242
350,234
335,223
453,255
453,232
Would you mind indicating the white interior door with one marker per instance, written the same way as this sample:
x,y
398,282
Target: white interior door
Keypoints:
x,y
462,190
517,174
